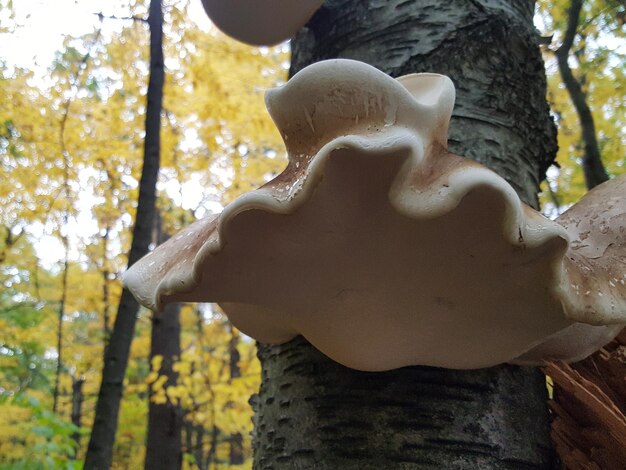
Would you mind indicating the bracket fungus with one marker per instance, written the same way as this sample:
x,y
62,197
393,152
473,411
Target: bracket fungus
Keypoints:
x,y
260,22
384,250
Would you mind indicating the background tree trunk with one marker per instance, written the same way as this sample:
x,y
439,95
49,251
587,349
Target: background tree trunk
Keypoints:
x,y
164,444
77,406
61,313
106,296
235,440
593,169
100,451
314,413
165,421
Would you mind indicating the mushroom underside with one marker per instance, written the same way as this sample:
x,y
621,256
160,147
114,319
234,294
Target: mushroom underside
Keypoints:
x,y
385,250
375,289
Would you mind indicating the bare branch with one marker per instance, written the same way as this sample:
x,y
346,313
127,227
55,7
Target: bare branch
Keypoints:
x,y
101,16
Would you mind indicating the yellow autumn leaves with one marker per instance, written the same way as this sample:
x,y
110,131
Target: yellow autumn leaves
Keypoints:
x,y
217,141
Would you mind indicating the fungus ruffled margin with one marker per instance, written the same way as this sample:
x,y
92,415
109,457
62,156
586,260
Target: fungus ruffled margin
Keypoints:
x,y
385,250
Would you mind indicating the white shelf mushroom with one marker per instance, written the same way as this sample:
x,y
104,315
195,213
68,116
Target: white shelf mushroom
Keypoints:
x,y
385,250
260,22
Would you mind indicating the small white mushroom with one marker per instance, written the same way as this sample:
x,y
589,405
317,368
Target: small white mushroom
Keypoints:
x,y
385,250
260,22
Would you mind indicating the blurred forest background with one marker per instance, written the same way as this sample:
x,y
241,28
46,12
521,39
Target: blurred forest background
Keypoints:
x,y
71,150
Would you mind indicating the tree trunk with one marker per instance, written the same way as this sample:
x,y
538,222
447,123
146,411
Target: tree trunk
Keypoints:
x,y
77,407
314,413
593,169
60,314
164,444
211,458
194,444
106,297
165,421
100,450
235,440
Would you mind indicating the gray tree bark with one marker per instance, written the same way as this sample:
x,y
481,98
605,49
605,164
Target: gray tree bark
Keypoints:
x,y
312,413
